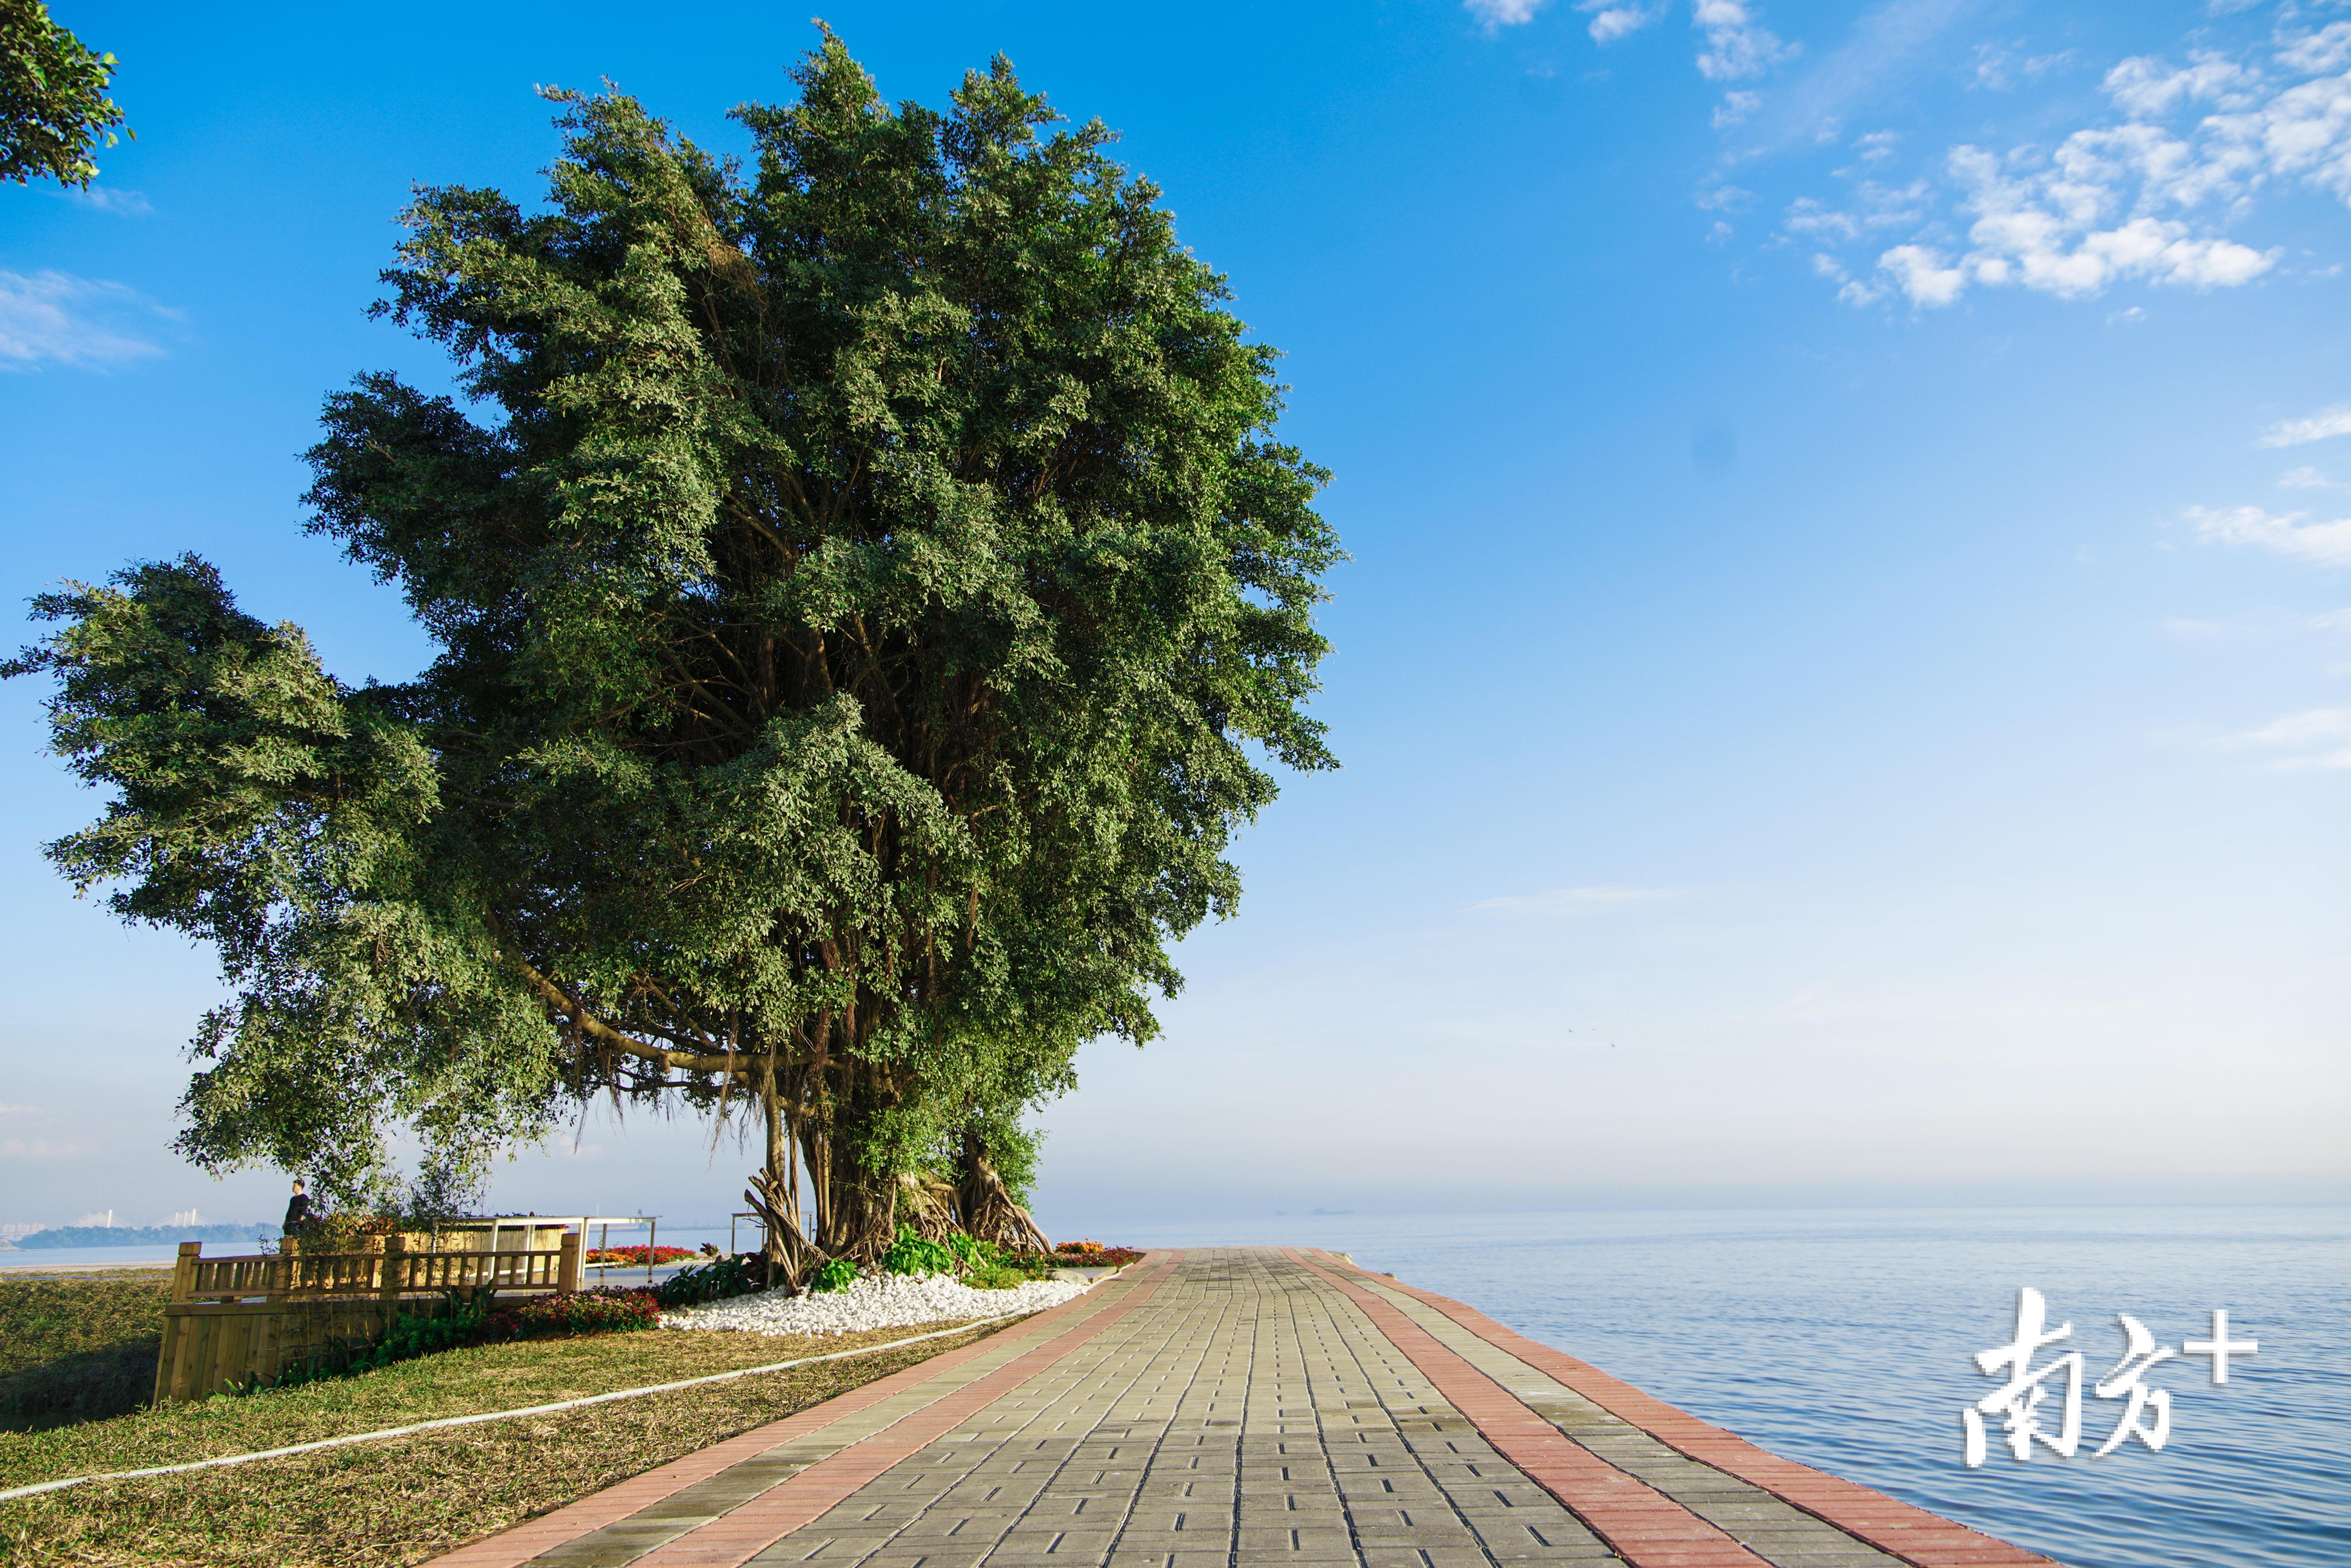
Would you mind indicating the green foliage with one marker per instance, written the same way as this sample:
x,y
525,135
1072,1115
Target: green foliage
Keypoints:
x,y
53,102
415,1335
909,1254
971,1253
453,1323
573,1312
1035,1266
835,1275
996,1277
860,604
711,1281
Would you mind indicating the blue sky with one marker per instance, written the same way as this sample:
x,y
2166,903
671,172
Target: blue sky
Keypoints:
x,y
1844,676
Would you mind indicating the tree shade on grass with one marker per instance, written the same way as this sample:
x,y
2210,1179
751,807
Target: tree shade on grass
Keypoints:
x,y
860,583
53,105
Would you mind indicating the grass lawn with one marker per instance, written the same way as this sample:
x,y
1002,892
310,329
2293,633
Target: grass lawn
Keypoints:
x,y
404,1501
78,1347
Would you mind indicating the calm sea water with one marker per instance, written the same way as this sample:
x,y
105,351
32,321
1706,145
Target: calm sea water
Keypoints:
x,y
1844,1339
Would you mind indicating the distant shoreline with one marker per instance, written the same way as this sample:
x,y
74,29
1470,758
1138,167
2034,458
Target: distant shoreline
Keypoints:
x,y
135,1235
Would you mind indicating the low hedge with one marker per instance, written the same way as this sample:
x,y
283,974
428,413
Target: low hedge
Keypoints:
x,y
604,1311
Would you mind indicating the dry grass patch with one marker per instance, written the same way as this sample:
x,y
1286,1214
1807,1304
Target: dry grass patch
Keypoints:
x,y
404,1499
78,1347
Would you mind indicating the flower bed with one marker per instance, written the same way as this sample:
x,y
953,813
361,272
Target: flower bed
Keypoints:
x,y
1094,1255
573,1312
1074,1255
637,1255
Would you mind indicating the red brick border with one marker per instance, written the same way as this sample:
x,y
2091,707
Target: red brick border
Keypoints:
x,y
1640,1523
510,1548
1918,1537
738,1536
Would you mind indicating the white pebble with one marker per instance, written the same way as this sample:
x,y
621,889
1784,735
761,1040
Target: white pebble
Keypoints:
x,y
876,1301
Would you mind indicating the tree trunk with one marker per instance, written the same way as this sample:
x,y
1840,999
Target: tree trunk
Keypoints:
x,y
864,1214
775,1194
926,1205
987,1207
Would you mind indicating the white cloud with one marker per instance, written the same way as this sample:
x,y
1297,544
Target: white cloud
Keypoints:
x,y
2314,738
37,1149
1999,69
1614,20
56,317
2306,478
1503,12
2316,54
2320,426
2145,88
1737,47
2327,544
1922,274
1736,107
107,199
1570,899
2332,621
2148,196
1877,146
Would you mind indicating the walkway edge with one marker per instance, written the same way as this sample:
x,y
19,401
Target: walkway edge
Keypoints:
x,y
526,1539
743,1533
1915,1535
1641,1525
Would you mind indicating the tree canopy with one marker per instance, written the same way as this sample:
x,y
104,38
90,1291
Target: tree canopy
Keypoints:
x,y
865,588
53,105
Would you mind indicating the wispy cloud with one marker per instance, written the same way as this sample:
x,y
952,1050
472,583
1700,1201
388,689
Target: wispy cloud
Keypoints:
x,y
109,199
2328,543
2189,630
2316,737
2307,478
1570,899
2324,425
37,1149
1886,45
1504,13
1737,47
55,318
2000,68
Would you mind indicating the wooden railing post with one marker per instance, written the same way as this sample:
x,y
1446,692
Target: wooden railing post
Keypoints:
x,y
567,1267
184,1271
395,1276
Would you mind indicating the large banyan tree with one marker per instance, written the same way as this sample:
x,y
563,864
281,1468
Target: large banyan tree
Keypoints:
x,y
858,587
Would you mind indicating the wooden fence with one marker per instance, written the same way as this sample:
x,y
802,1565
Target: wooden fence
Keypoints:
x,y
237,1322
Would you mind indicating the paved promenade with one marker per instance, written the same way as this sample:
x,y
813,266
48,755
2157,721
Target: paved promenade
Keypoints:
x,y
1215,1409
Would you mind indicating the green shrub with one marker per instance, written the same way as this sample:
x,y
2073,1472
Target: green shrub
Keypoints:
x,y
712,1281
996,1277
971,1252
837,1275
909,1254
574,1312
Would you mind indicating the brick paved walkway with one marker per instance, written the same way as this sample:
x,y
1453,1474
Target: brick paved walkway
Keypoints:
x,y
1242,1406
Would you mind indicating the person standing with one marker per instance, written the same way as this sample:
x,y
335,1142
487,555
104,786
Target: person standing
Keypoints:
x,y
297,1209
